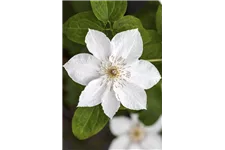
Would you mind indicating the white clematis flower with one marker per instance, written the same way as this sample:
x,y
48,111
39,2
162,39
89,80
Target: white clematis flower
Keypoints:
x,y
113,74
132,134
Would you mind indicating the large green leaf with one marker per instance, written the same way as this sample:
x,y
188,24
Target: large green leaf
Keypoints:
x,y
109,10
154,107
153,49
131,22
159,19
76,27
88,121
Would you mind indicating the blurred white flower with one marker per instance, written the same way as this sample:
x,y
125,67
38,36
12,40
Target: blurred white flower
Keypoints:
x,y
113,74
132,134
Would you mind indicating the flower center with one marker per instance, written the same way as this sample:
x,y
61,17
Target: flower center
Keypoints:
x,y
137,134
113,72
116,73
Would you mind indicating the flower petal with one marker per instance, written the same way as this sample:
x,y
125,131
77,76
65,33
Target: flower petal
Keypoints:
x,y
134,146
92,94
110,104
120,143
98,44
152,141
128,45
131,96
156,127
134,118
120,125
82,68
144,74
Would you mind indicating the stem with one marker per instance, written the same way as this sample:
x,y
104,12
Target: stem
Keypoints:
x,y
110,26
155,60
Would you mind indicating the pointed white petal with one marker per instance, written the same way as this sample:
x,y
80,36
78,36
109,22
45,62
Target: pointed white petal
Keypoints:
x,y
144,74
110,104
120,143
92,94
134,146
83,68
131,96
120,125
152,141
156,127
98,44
128,45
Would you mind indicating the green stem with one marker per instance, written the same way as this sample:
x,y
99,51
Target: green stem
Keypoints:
x,y
110,26
155,60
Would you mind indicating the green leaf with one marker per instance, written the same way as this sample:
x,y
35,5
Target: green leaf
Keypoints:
x,y
80,6
131,22
72,91
153,49
76,27
109,10
154,36
159,19
154,107
88,121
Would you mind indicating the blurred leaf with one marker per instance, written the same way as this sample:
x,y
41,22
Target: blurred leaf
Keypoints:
x,y
109,10
159,19
153,49
76,27
88,121
80,6
154,106
154,36
131,22
72,91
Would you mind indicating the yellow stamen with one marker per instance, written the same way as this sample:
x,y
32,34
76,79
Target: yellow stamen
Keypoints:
x,y
113,72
